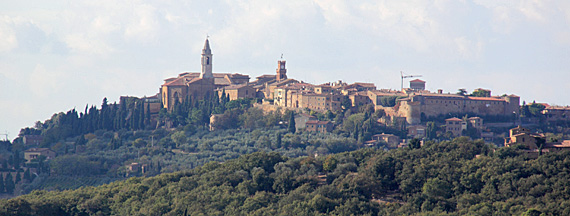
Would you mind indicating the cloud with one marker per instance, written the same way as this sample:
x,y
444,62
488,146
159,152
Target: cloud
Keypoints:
x,y
143,26
81,43
45,83
8,35
468,49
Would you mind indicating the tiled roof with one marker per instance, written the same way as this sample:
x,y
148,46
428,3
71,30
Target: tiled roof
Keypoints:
x,y
418,80
485,99
177,82
317,122
453,119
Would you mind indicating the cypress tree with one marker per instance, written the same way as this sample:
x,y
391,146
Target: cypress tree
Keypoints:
x,y
279,140
27,176
292,128
2,186
142,116
355,134
18,177
9,183
147,114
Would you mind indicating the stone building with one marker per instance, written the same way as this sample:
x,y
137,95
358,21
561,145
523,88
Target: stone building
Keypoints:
x,y
455,126
418,106
416,131
418,85
302,119
197,85
390,139
34,140
238,91
556,113
319,126
35,153
520,135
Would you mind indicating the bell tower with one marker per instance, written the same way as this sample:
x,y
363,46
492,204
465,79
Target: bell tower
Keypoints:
x,y
206,61
281,70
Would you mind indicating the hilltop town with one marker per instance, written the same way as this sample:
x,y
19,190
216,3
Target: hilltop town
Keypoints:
x,y
275,136
199,117
409,108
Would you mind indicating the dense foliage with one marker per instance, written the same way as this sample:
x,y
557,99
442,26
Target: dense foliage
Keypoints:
x,y
452,177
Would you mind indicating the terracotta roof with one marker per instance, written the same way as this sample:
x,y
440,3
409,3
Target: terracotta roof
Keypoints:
x,y
453,119
317,122
365,84
486,98
418,80
307,115
558,108
266,76
177,82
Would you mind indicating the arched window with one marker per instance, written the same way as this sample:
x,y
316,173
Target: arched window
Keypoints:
x,y
207,60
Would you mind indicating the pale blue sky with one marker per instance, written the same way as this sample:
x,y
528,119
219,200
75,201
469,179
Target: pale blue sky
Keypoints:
x,y
57,55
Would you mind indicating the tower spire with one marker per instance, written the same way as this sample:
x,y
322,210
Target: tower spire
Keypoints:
x,y
206,60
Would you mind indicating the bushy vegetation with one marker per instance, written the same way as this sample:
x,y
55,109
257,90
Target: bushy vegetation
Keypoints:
x,y
452,177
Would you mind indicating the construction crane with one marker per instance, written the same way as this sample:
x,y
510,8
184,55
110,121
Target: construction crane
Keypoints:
x,y
406,76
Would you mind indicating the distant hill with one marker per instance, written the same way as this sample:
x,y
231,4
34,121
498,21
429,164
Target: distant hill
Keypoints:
x,y
452,177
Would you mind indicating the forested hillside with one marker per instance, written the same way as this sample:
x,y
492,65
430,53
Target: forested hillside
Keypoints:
x,y
98,145
451,177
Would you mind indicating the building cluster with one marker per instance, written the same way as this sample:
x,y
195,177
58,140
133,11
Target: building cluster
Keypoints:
x,y
413,104
407,107
534,142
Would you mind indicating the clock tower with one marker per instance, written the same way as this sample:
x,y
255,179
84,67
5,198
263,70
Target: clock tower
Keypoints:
x,y
281,71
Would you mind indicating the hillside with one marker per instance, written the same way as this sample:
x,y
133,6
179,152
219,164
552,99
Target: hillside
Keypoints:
x,y
452,177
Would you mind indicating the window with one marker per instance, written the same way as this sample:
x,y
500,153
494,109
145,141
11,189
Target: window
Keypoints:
x,y
207,60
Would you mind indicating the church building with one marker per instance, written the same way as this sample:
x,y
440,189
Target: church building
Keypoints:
x,y
196,85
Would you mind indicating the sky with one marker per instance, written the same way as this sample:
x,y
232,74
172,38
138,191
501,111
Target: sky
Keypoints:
x,y
58,55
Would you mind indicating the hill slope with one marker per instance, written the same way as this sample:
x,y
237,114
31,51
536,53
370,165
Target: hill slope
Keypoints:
x,y
455,177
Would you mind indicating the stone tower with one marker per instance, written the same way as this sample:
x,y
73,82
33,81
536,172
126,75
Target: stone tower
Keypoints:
x,y
206,61
281,71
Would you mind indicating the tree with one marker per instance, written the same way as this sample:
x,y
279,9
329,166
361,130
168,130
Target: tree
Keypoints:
x,y
18,177
536,109
179,138
414,143
279,140
27,175
462,92
9,183
481,93
291,127
2,185
431,131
